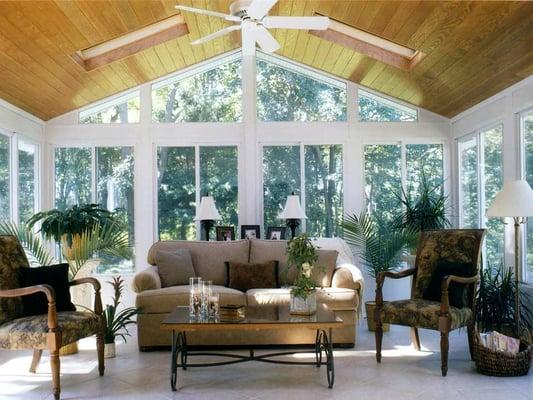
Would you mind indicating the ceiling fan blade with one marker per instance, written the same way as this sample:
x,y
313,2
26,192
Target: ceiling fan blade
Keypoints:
x,y
210,13
216,34
265,40
259,8
318,23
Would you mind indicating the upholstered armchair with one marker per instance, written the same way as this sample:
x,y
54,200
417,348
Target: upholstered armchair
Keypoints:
x,y
47,331
437,251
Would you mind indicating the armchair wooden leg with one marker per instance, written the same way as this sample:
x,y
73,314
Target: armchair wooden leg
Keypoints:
x,y
415,339
444,346
35,361
379,334
54,361
100,351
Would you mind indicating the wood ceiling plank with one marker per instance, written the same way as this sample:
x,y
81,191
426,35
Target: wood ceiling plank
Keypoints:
x,y
383,17
324,46
297,9
303,36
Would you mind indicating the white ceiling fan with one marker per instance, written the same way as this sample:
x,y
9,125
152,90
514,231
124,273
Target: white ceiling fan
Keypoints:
x,y
253,20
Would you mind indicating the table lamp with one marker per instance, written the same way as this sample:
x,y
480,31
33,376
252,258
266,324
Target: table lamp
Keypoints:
x,y
292,213
207,214
515,201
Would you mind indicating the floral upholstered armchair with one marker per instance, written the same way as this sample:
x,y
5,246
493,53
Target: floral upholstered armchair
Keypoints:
x,y
443,290
47,331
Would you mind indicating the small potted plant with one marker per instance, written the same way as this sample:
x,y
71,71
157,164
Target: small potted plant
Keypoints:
x,y
380,247
116,322
302,256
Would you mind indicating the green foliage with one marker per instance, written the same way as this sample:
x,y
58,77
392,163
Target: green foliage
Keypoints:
x,y
424,212
73,221
5,158
372,110
116,322
379,246
301,254
35,250
495,308
284,95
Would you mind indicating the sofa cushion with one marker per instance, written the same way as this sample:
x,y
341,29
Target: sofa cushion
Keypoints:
x,y
174,267
164,300
334,298
244,276
207,257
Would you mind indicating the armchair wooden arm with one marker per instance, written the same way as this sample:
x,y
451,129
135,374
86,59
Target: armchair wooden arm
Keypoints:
x,y
388,274
97,287
50,296
445,300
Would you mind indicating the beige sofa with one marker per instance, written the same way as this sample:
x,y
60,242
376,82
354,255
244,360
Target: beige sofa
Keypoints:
x,y
342,292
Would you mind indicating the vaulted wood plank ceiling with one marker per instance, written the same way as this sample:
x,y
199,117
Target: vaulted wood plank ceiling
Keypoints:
x,y
474,49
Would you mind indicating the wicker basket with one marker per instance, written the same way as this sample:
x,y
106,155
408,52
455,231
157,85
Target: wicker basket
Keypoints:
x,y
497,363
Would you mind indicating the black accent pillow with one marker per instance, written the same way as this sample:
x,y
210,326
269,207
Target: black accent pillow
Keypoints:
x,y
53,275
457,293
245,276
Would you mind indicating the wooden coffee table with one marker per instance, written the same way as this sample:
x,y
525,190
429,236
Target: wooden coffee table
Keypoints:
x,y
278,318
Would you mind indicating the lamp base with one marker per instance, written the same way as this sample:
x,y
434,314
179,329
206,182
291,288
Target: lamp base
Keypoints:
x,y
293,224
207,224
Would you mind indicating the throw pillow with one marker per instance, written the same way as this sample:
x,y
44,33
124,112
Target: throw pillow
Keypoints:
x,y
244,276
174,267
457,293
55,276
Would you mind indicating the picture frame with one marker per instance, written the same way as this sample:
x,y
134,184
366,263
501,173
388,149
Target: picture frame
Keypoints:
x,y
250,232
276,233
225,233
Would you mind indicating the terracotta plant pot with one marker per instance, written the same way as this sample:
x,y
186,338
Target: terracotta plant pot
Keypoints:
x,y
71,348
370,306
109,350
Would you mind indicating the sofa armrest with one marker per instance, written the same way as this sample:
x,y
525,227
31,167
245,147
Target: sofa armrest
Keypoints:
x,y
348,276
147,279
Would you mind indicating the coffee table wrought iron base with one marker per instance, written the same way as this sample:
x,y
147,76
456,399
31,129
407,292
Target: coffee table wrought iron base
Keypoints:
x,y
180,355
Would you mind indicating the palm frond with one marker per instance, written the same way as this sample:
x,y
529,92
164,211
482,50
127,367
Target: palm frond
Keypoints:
x,y
34,248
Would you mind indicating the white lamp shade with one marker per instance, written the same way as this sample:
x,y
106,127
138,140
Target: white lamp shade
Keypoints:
x,y
514,200
207,210
293,209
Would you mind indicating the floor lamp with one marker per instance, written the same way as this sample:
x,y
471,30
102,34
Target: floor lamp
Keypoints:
x,y
514,201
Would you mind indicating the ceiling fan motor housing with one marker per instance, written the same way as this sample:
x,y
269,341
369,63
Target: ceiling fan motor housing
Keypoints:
x,y
239,9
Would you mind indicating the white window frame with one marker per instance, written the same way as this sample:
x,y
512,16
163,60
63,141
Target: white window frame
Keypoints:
x,y
522,163
388,101
196,145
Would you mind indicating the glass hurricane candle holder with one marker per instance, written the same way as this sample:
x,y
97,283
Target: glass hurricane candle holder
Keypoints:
x,y
195,298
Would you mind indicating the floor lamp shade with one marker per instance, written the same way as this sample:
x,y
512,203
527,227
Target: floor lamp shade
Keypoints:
x,y
514,200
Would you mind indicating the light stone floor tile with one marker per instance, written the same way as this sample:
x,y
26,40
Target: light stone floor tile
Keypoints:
x,y
403,374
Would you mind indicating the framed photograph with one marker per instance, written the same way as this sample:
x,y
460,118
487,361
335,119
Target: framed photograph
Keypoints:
x,y
250,232
276,233
225,233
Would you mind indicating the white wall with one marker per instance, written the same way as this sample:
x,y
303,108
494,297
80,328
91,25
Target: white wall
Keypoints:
x,y
504,107
249,136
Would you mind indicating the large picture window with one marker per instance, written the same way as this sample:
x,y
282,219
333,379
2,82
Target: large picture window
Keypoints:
x,y
376,108
112,188
27,179
322,185
286,92
480,179
384,174
210,95
122,110
526,127
178,189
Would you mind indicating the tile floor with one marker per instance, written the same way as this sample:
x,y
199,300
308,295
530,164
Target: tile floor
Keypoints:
x,y
403,374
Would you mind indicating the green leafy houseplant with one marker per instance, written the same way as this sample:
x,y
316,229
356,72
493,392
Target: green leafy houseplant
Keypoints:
x,y
302,255
117,321
82,232
35,250
425,211
495,308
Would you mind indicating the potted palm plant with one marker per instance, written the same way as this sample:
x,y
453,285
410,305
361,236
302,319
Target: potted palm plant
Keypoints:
x,y
302,256
380,248
116,322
